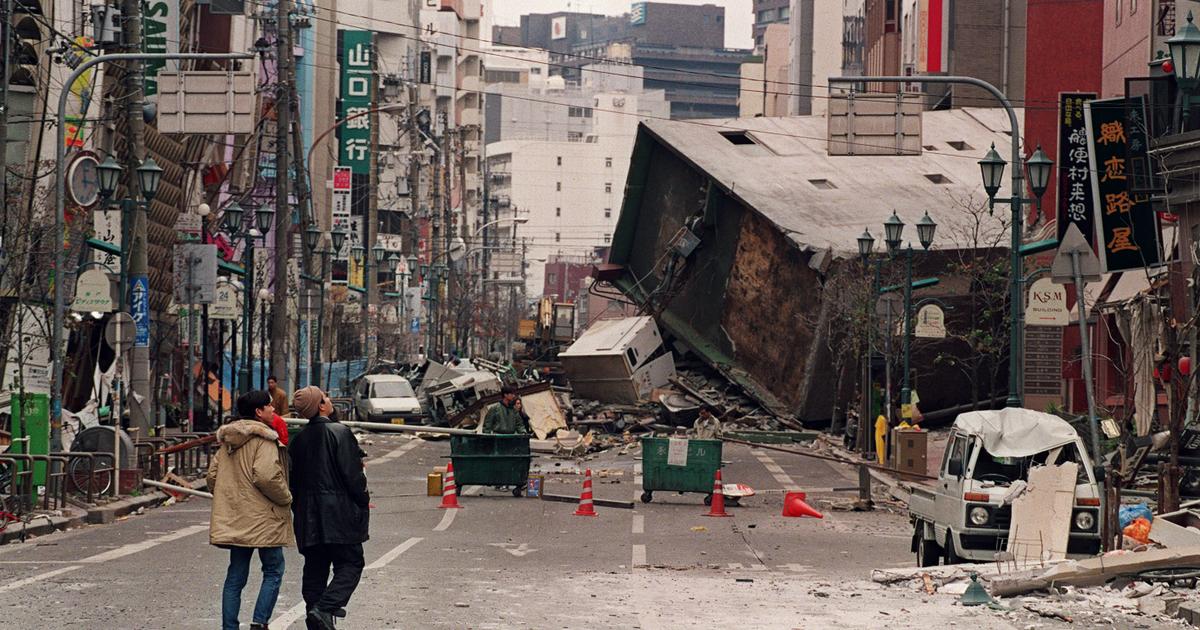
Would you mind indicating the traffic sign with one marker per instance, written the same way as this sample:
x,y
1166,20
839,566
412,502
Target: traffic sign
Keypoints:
x,y
119,332
1062,271
202,277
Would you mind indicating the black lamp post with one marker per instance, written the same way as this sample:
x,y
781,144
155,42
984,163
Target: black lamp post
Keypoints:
x,y
262,224
1185,56
149,174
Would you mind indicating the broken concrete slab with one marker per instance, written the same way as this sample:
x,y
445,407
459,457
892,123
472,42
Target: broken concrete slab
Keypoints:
x,y
1176,529
1041,516
1096,571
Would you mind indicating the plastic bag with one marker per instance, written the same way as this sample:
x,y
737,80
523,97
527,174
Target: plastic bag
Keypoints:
x,y
1128,513
1138,530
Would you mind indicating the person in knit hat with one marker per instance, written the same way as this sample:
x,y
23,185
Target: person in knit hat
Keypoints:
x,y
330,506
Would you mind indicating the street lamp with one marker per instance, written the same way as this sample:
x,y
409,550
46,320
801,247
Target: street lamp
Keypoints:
x,y
263,217
312,237
233,217
866,243
992,169
337,239
149,175
893,228
926,228
109,174
1185,56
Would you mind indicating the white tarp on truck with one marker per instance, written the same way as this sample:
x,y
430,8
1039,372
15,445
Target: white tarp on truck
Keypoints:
x,y
1015,432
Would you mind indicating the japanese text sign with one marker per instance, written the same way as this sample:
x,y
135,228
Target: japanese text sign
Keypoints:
x,y
1075,201
139,305
1126,228
357,92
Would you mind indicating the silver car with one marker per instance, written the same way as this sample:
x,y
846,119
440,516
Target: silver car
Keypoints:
x,y
386,398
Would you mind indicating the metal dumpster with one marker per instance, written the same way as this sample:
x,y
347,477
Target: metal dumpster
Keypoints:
x,y
695,474
491,460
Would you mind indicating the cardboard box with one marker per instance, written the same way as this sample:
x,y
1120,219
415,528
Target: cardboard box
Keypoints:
x,y
910,451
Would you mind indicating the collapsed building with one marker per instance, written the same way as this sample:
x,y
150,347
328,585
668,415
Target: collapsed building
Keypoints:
x,y
729,229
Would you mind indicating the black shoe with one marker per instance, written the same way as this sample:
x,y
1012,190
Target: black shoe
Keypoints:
x,y
258,626
339,613
320,619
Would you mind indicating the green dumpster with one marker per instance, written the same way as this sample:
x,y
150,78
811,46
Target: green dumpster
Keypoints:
x,y
491,460
693,473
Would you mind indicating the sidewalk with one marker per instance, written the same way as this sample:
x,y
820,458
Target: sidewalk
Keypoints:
x,y
897,488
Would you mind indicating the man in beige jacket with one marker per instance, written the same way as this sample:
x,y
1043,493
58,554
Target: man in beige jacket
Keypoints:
x,y
248,478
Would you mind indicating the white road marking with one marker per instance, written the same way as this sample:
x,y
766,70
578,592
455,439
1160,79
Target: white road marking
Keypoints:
x,y
637,481
473,491
775,469
639,556
39,562
132,548
447,519
33,579
519,551
394,553
290,616
113,554
639,524
395,453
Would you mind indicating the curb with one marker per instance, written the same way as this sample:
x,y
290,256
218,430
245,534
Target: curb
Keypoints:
x,y
895,489
110,512
40,526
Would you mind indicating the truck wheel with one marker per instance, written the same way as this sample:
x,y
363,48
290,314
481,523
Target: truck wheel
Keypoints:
x,y
928,552
952,556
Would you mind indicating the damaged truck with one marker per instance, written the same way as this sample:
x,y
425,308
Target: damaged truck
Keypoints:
x,y
966,514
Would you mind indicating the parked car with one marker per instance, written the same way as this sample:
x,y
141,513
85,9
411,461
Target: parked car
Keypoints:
x,y
963,516
386,398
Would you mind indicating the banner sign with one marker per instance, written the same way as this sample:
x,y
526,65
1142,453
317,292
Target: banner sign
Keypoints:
x,y
357,89
160,34
139,306
1075,201
1126,228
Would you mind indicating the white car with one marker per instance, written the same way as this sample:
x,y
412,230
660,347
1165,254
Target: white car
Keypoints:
x,y
386,398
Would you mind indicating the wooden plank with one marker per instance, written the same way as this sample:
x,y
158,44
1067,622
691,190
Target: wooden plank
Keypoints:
x,y
1041,518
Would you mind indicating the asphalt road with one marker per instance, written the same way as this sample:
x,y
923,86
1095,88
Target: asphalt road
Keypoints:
x,y
505,562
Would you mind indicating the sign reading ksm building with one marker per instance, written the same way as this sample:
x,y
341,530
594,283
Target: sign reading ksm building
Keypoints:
x,y
1126,225
357,93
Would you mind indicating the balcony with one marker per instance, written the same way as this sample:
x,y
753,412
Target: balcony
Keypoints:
x,y
470,84
468,117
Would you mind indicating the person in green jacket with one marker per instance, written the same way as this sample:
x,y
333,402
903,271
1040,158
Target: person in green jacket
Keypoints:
x,y
506,416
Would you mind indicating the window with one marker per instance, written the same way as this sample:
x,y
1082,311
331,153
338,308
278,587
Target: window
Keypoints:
x,y
1132,7
557,237
766,15
558,186
574,136
959,145
608,187
607,238
822,184
937,178
560,160
558,212
738,137
955,462
553,277
608,213
785,13
1120,12
607,162
579,112
535,71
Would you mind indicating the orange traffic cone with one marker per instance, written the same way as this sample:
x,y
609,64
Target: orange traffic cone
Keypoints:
x,y
585,498
449,490
718,497
794,506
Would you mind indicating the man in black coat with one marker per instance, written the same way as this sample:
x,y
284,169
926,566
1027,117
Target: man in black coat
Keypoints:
x,y
330,507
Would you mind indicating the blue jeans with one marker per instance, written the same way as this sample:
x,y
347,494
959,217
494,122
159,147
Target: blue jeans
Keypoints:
x,y
235,581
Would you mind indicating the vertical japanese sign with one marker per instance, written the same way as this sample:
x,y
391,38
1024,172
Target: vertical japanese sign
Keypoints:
x,y
1075,201
139,305
1126,227
354,136
160,34
107,226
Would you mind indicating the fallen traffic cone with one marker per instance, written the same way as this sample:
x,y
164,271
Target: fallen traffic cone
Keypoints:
x,y
585,498
449,490
794,506
718,497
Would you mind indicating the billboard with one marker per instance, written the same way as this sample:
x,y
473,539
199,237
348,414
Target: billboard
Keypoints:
x,y
637,13
1075,201
1126,225
357,94
558,27
933,36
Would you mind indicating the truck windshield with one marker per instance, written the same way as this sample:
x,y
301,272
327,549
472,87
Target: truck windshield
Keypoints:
x,y
391,389
1005,470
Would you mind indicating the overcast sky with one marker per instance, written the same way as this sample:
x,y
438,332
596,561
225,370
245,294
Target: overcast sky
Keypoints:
x,y
738,14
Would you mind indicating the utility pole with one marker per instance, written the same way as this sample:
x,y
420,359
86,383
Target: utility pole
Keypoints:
x,y
284,84
312,263
141,407
371,225
5,57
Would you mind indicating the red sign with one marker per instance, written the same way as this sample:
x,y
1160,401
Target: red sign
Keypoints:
x,y
341,179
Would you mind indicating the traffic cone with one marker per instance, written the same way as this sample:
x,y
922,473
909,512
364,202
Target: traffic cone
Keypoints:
x,y
449,490
718,497
585,498
795,507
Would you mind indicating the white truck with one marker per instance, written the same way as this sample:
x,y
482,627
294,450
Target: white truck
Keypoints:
x,y
963,515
